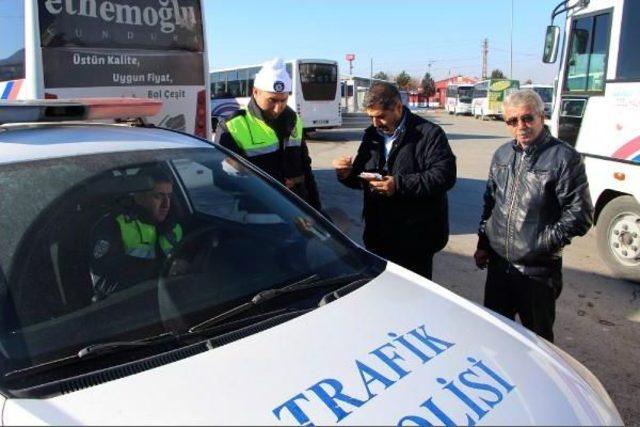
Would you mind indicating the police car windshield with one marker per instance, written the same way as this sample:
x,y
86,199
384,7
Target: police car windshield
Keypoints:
x,y
122,246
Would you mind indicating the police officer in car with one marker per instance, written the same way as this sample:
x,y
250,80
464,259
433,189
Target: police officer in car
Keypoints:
x,y
131,246
269,133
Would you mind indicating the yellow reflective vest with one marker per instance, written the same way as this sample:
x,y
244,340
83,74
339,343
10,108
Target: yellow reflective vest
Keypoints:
x,y
140,239
256,138
280,153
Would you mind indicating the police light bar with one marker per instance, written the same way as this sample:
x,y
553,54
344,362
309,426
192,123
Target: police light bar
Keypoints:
x,y
62,110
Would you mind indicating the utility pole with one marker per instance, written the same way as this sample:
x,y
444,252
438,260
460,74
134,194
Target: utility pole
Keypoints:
x,y
371,75
485,55
511,44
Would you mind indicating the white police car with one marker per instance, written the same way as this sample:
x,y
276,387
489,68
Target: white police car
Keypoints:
x,y
274,316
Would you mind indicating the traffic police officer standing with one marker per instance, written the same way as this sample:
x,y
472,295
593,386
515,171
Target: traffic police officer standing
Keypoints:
x,y
269,133
131,246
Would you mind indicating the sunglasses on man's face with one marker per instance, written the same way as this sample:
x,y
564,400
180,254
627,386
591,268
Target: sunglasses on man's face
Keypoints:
x,y
526,118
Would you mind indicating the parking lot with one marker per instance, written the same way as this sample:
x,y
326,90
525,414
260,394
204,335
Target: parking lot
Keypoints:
x,y
598,316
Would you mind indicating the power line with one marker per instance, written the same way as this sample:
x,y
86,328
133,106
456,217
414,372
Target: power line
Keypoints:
x,y
447,60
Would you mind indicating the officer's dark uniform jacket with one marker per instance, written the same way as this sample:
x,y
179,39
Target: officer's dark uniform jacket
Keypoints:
x,y
536,200
276,146
125,250
424,169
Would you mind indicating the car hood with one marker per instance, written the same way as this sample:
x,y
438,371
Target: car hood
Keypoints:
x,y
401,350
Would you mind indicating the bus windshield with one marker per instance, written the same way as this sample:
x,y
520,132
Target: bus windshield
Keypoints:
x,y
178,27
91,55
546,93
319,81
134,48
464,93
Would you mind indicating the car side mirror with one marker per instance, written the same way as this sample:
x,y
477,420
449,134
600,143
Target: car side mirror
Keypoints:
x,y
551,40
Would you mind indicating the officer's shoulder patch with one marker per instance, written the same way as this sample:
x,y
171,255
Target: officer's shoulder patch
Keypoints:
x,y
101,248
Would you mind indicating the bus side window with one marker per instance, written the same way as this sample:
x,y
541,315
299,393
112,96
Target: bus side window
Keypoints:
x,y
233,84
588,53
242,84
251,78
219,85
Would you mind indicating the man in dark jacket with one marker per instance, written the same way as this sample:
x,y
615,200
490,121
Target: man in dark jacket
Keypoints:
x,y
270,134
536,200
405,206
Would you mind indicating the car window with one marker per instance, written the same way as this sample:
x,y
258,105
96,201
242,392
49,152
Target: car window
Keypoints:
x,y
129,245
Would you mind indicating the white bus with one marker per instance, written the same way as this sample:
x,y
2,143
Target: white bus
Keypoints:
x,y
597,105
353,89
545,92
488,96
96,48
459,99
315,94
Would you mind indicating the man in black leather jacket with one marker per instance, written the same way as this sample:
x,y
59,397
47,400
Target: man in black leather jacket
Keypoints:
x,y
536,200
405,207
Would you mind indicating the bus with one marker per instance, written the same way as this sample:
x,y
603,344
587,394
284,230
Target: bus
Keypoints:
x,y
545,92
315,94
488,96
94,48
459,99
354,88
596,109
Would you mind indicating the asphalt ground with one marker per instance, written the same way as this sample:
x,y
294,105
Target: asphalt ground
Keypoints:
x,y
598,316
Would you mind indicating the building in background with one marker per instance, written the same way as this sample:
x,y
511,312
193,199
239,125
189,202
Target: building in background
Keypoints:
x,y
417,99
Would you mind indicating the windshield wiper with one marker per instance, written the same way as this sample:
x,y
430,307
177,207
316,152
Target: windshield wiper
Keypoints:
x,y
110,347
261,297
310,282
257,299
93,350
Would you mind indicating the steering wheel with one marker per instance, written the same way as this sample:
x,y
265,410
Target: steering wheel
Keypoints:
x,y
187,257
191,248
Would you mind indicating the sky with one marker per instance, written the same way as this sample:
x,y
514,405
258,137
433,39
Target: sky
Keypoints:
x,y
397,35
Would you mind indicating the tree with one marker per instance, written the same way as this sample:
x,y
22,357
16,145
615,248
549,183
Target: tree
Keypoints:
x,y
403,80
528,82
414,84
497,74
428,87
381,75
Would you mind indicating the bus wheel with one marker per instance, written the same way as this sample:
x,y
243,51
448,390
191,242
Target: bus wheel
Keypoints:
x,y
618,237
